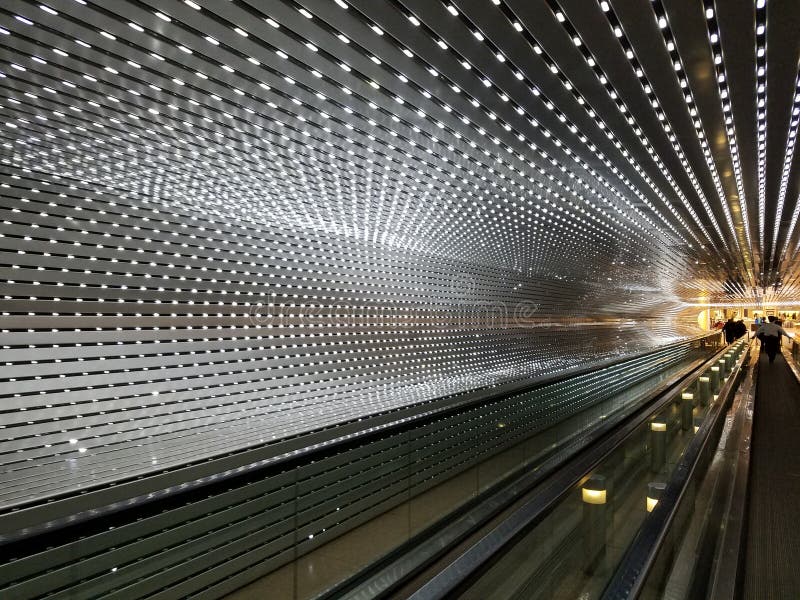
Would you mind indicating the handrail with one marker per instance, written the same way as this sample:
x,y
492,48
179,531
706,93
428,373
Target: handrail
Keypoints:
x,y
640,557
473,559
25,521
425,548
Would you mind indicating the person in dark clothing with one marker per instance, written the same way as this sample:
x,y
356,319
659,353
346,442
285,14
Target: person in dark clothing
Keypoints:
x,y
740,330
770,336
779,323
729,329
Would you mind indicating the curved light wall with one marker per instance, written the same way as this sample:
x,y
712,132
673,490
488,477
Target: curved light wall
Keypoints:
x,y
229,222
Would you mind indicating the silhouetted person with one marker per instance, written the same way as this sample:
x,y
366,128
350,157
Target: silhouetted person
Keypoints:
x,y
740,329
729,329
779,323
770,336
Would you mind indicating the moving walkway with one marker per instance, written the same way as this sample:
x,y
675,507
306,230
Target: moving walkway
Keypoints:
x,y
585,528
693,497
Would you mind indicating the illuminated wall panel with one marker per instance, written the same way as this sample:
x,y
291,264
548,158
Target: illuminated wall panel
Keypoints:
x,y
225,222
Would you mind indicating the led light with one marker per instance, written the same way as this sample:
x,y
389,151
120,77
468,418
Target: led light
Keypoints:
x,y
593,496
654,493
279,242
594,490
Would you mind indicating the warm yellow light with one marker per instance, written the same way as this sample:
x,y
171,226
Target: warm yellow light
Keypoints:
x,y
656,426
687,396
715,369
696,427
593,496
654,491
705,379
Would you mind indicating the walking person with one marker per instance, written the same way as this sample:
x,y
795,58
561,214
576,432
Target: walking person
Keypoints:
x,y
770,336
729,329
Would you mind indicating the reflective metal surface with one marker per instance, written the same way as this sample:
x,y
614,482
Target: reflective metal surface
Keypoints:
x,y
218,233
227,223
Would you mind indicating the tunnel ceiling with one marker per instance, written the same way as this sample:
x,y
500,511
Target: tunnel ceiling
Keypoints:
x,y
234,207
529,134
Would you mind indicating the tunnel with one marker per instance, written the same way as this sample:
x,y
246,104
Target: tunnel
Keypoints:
x,y
392,298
